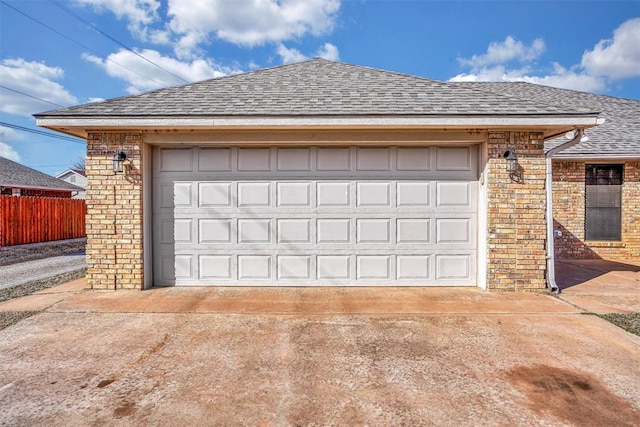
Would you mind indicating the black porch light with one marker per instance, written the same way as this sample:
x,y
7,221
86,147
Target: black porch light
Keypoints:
x,y
512,160
118,161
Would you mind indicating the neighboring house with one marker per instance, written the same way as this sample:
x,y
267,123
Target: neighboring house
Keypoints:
x,y
77,178
318,173
20,180
596,183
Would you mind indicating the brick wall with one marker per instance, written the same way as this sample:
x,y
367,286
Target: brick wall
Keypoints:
x,y
516,213
569,214
114,212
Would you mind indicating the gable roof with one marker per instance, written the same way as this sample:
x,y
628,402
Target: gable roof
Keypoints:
x,y
15,175
72,172
315,87
618,137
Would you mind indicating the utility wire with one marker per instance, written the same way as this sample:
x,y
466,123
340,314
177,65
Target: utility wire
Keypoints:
x,y
80,44
78,17
31,96
42,133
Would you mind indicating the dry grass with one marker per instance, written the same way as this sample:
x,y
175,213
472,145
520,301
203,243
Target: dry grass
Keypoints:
x,y
630,322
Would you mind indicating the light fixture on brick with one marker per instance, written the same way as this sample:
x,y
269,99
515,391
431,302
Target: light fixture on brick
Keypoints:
x,y
118,161
512,160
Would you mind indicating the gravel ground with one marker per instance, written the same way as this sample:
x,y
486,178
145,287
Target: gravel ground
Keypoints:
x,y
630,322
26,278
8,318
42,269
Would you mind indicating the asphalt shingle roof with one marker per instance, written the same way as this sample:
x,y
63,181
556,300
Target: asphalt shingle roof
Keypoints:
x,y
14,174
315,88
618,136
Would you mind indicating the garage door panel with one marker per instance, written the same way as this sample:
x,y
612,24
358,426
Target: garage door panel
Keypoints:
x,y
456,195
413,267
216,231
214,194
215,160
333,194
176,160
414,159
253,230
254,194
356,216
294,194
215,267
373,194
373,159
254,267
293,159
254,160
294,230
413,194
453,267
413,230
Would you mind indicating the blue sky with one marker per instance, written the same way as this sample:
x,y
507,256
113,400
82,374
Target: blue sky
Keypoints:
x,y
591,46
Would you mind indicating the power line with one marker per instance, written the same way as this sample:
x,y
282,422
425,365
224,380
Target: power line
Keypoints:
x,y
78,17
42,133
80,44
31,96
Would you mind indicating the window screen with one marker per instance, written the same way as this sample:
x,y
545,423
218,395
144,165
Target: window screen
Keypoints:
x,y
603,204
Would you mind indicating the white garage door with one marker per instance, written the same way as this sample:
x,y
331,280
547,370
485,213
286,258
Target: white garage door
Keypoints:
x,y
315,216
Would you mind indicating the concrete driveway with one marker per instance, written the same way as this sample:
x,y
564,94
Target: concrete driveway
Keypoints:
x,y
252,356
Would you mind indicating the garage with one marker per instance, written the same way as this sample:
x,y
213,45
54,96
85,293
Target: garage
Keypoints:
x,y
315,215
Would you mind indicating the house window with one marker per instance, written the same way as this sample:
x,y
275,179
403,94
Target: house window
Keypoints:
x,y
72,178
603,204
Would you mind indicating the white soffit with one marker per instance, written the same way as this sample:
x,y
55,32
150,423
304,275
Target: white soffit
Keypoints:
x,y
173,122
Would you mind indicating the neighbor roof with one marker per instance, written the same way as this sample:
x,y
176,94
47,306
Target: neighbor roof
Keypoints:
x,y
619,136
316,87
14,175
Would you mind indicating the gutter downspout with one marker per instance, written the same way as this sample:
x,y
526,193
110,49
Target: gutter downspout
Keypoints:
x,y
551,269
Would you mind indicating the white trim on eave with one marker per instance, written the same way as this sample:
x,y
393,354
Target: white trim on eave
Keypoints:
x,y
306,121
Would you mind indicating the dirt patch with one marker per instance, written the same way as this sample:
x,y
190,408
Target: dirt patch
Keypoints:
x,y
572,396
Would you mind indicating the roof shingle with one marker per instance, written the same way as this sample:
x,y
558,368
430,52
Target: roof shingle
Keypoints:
x,y
14,174
619,136
315,88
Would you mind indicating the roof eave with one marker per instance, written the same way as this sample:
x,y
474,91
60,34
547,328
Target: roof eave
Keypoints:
x,y
78,125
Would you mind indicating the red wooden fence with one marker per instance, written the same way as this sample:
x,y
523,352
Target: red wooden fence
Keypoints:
x,y
40,219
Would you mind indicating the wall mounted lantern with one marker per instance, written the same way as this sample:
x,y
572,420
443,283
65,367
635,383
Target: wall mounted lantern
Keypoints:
x,y
118,161
512,160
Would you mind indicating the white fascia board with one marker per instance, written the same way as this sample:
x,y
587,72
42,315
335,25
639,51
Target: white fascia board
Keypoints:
x,y
596,157
191,122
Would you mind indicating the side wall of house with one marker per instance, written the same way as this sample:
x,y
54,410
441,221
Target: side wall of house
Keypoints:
x,y
114,212
516,234
569,213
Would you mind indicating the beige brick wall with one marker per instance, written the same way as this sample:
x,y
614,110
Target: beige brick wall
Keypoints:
x,y
569,213
114,212
516,235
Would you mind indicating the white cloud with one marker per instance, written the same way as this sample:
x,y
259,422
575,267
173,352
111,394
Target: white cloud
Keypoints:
x,y
290,55
142,76
326,51
6,150
35,79
618,58
139,13
609,60
249,22
508,50
561,78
